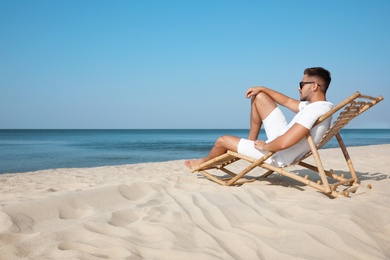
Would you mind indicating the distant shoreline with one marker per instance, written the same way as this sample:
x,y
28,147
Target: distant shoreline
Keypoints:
x,y
32,150
371,147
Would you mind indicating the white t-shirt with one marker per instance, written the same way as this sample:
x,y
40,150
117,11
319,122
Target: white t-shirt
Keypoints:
x,y
308,114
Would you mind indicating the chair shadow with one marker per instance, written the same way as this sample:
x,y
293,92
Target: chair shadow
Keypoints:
x,y
314,176
280,180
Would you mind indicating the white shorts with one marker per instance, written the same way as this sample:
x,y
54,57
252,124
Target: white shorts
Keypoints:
x,y
274,125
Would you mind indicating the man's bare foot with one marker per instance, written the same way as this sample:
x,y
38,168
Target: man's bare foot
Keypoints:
x,y
191,164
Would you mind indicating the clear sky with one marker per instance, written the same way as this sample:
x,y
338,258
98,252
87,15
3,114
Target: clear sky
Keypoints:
x,y
182,64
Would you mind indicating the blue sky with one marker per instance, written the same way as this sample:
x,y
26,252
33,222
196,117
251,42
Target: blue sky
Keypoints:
x,y
182,64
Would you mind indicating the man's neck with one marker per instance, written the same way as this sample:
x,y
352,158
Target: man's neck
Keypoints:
x,y
316,98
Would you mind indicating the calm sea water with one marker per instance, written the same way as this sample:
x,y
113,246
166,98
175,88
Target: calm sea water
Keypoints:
x,y
31,150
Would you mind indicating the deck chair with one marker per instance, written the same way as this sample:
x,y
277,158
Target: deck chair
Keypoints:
x,y
349,109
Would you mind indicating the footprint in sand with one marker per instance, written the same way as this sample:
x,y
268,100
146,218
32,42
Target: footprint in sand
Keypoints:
x,y
111,252
106,229
72,209
124,218
5,221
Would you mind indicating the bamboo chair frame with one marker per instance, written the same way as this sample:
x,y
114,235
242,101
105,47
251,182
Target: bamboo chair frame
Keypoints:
x,y
350,108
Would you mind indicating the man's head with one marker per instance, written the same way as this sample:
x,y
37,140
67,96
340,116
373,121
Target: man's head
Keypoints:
x,y
321,75
317,80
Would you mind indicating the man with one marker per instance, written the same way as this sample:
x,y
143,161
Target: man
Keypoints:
x,y
285,139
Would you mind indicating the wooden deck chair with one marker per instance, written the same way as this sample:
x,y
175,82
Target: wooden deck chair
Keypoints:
x,y
350,108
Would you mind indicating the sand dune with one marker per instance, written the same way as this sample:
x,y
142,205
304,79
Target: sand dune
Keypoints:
x,y
161,211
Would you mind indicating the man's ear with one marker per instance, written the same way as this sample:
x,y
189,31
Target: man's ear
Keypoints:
x,y
316,87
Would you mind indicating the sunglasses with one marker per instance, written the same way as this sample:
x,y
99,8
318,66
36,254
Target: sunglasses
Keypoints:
x,y
301,84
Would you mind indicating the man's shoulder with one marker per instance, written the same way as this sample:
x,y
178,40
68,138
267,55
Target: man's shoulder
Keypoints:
x,y
316,105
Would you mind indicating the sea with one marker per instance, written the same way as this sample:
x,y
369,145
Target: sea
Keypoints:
x,y
32,150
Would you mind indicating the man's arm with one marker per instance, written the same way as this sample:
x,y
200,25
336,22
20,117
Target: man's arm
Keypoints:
x,y
276,96
288,139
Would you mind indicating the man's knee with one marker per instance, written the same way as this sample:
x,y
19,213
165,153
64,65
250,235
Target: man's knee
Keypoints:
x,y
264,104
228,142
263,98
222,140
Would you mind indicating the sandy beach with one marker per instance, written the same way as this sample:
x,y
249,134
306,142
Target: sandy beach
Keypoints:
x,y
162,211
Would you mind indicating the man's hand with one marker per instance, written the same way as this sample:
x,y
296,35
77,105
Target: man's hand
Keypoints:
x,y
251,92
276,96
259,145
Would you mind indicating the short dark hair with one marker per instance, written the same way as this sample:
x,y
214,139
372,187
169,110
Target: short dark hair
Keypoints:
x,y
320,73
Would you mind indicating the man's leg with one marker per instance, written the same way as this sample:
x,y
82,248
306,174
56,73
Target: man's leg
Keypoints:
x,y
221,146
261,106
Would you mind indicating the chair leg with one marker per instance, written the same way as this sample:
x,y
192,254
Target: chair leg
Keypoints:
x,y
347,158
240,175
212,177
249,168
321,170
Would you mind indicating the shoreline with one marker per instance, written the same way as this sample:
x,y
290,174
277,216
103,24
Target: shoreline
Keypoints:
x,y
141,163
159,210
33,150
